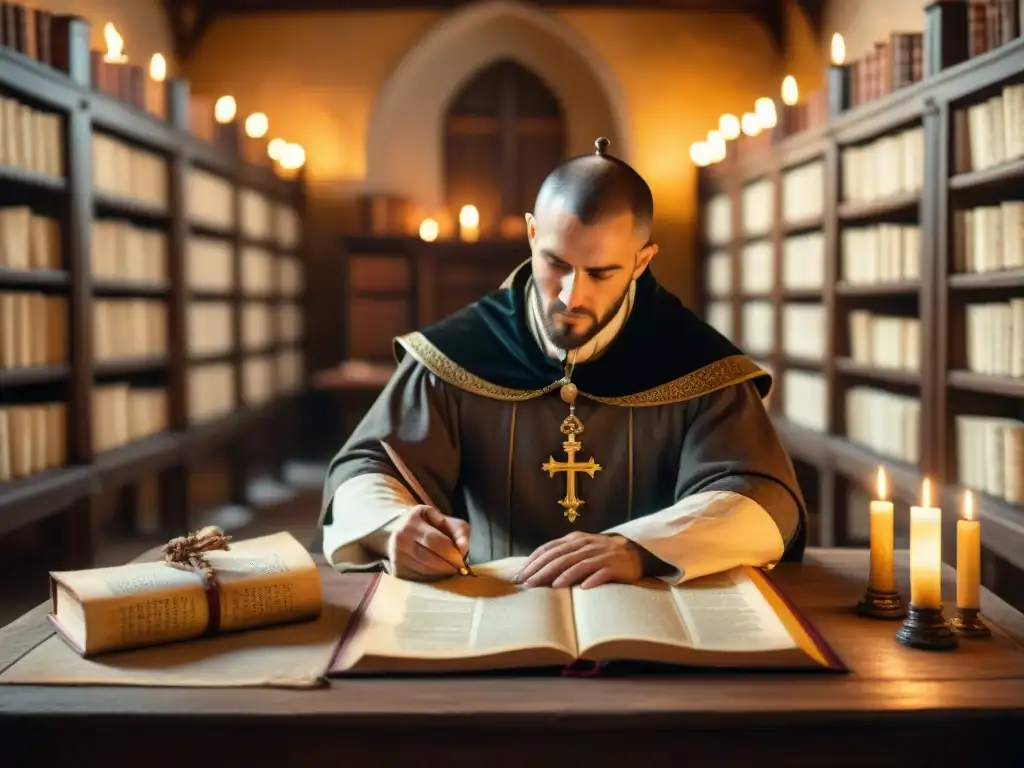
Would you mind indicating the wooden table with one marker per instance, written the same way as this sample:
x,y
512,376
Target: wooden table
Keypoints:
x,y
898,706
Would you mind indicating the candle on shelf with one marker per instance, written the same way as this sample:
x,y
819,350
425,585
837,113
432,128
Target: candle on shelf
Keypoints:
x,y
292,158
107,67
968,572
225,110
156,88
838,78
881,600
469,224
429,230
256,127
925,627
926,552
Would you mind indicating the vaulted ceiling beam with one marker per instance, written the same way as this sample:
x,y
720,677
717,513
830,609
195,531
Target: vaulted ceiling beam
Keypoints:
x,y
191,18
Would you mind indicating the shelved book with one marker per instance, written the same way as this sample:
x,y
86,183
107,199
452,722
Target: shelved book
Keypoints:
x,y
262,582
736,619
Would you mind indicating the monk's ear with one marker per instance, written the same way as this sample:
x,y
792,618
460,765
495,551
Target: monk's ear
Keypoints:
x,y
531,228
643,258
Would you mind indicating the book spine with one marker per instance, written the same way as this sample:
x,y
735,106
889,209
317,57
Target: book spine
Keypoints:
x,y
977,25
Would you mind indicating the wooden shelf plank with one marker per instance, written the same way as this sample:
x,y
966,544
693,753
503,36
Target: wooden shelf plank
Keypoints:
x,y
211,230
803,294
29,499
25,178
856,210
127,463
988,385
36,374
1004,173
128,366
798,226
34,278
844,288
127,206
892,375
102,286
1007,278
204,294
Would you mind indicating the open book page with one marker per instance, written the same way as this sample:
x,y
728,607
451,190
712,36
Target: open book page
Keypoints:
x,y
713,619
268,580
461,623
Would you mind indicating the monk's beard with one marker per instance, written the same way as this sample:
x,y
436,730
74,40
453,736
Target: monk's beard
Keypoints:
x,y
565,338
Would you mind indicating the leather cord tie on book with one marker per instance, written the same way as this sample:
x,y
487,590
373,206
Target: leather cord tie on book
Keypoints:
x,y
188,553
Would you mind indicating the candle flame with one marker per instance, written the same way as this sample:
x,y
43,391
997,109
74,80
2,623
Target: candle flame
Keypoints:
x,y
115,43
275,148
790,92
225,109
838,49
429,230
700,154
158,68
883,487
969,511
729,126
256,125
469,216
926,493
764,109
750,125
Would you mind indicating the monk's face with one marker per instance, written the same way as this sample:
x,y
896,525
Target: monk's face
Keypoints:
x,y
583,272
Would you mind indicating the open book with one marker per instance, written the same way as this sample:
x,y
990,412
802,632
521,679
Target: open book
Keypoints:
x,y
262,581
735,619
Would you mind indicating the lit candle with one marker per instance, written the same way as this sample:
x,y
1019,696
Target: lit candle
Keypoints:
x,y
926,552
256,126
838,77
968,557
469,224
155,93
883,577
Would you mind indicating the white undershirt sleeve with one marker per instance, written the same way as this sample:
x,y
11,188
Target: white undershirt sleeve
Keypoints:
x,y
707,533
363,509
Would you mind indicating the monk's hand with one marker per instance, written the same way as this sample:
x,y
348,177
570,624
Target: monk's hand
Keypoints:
x,y
586,559
427,545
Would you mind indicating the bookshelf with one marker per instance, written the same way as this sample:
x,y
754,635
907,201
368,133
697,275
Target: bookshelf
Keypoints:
x,y
875,263
151,283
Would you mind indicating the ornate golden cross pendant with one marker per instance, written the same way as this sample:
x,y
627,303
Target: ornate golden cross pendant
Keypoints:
x,y
571,427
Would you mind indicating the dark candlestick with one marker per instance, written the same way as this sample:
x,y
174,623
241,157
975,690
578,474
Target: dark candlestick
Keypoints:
x,y
968,623
926,629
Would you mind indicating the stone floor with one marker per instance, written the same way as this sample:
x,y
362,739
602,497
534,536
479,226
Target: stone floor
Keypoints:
x,y
291,506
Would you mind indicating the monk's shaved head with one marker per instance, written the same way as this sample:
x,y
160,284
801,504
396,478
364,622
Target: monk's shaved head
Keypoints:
x,y
596,187
590,236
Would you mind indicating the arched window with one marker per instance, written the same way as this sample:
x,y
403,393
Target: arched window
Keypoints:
x,y
504,133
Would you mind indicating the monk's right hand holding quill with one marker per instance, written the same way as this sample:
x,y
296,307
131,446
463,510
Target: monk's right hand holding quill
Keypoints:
x,y
426,544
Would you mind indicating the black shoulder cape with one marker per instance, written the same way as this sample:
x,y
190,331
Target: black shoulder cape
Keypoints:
x,y
662,347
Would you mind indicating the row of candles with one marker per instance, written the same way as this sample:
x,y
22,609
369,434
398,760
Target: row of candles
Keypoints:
x,y
882,598
765,117
288,156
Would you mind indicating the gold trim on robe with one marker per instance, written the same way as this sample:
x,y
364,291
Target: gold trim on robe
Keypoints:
x,y
723,373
